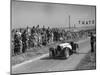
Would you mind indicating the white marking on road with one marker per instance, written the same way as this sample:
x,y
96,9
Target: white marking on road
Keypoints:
x,y
44,55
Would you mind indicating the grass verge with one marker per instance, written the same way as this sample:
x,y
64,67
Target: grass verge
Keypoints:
x,y
88,63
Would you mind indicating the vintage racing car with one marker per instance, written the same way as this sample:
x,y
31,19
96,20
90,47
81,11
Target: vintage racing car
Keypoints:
x,y
63,50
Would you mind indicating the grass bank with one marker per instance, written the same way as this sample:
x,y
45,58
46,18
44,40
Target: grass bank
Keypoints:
x,y
88,63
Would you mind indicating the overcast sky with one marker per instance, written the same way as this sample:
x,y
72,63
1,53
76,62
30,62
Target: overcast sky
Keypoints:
x,y
48,14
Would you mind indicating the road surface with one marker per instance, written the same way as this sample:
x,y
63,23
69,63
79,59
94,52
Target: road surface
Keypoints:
x,y
45,64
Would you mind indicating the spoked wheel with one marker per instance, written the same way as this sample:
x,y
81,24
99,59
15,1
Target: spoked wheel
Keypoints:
x,y
67,53
51,52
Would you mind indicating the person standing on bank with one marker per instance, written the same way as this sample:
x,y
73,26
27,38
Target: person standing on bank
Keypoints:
x,y
92,40
16,43
24,40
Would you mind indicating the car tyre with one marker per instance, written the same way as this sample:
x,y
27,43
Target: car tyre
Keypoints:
x,y
67,54
51,52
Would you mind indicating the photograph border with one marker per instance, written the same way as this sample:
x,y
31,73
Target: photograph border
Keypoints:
x,y
50,3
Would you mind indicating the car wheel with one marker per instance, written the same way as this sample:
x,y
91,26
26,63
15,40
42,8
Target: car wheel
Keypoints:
x,y
67,53
50,53
70,52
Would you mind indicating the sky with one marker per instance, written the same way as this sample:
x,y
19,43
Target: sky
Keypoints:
x,y
30,14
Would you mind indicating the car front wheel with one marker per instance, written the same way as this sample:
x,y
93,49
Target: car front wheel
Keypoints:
x,y
67,53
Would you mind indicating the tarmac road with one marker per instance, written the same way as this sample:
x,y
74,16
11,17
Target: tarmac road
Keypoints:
x,y
45,64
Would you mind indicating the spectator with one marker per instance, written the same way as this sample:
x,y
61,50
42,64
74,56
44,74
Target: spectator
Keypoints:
x,y
24,41
92,40
16,44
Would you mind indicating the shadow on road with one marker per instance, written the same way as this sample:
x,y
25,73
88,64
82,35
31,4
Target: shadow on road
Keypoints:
x,y
60,58
81,53
52,58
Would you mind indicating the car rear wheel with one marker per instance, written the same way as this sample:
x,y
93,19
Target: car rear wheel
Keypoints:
x,y
51,52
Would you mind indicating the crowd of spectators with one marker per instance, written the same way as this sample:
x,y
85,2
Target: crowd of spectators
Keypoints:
x,y
23,39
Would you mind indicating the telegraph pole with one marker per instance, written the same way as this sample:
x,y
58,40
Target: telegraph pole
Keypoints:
x,y
69,22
